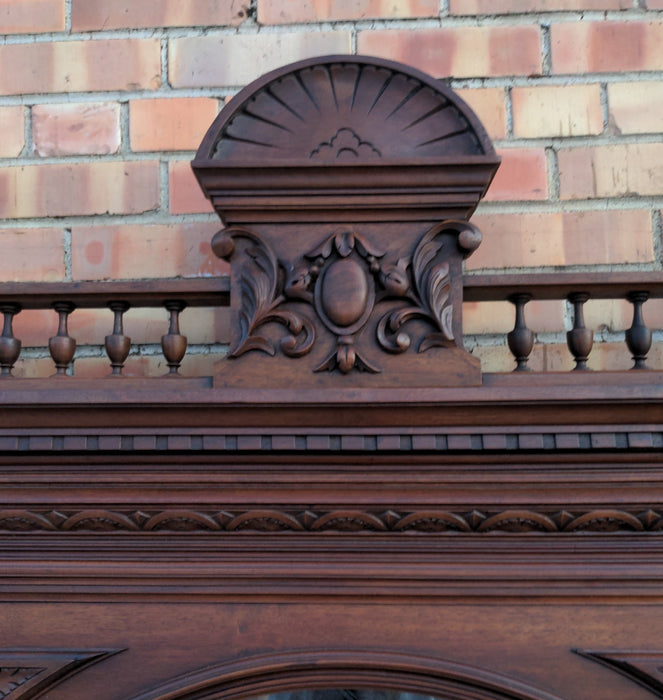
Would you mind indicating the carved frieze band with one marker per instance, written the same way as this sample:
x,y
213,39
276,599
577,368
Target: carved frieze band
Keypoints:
x,y
424,521
333,442
342,279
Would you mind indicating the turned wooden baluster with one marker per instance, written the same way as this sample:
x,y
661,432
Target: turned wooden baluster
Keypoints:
x,y
62,346
638,336
521,338
117,344
579,339
173,343
10,347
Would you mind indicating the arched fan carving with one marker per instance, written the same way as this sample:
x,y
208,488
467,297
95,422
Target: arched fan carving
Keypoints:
x,y
347,110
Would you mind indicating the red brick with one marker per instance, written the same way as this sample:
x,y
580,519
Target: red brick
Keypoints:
x,y
78,128
239,58
34,327
175,124
90,15
296,11
139,251
595,47
79,189
13,131
459,51
654,4
571,238
611,171
31,16
80,66
184,192
33,254
636,108
521,176
489,106
569,110
499,7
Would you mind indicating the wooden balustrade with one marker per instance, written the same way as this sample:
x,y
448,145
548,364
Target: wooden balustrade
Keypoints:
x,y
119,297
576,288
176,295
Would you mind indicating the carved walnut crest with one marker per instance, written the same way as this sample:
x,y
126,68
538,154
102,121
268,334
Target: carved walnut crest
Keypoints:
x,y
342,279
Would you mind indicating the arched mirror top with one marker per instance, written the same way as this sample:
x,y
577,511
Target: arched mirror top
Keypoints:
x,y
354,110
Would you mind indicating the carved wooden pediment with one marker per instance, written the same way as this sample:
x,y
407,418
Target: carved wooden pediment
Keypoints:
x,y
346,184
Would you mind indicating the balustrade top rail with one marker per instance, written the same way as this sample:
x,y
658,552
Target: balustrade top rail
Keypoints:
x,y
210,291
215,291
559,285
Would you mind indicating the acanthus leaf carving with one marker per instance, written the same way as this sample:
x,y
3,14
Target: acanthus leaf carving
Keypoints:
x,y
261,297
429,300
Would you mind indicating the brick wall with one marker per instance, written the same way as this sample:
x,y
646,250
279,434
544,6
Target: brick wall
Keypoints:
x,y
103,102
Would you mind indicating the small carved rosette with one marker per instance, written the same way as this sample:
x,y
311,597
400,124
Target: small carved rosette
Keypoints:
x,y
342,280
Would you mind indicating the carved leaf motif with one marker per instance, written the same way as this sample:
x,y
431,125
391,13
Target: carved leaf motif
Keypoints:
x,y
430,297
12,678
258,286
261,297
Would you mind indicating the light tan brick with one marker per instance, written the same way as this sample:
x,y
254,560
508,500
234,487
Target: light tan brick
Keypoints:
x,y
489,106
79,188
12,120
499,317
570,110
140,251
239,58
636,108
31,16
595,47
521,176
91,15
33,254
570,238
499,7
147,325
193,365
611,171
78,128
185,194
298,11
459,51
33,368
170,124
498,358
615,315
80,66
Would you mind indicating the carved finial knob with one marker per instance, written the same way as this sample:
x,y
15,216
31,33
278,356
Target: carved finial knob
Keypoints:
x,y
223,245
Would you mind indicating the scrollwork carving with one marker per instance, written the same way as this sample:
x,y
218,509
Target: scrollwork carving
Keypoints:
x,y
343,278
428,295
261,296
